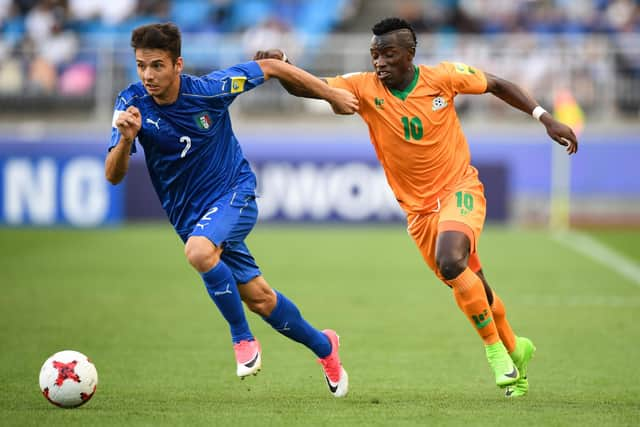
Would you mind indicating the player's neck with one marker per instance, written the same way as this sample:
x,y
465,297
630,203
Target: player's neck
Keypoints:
x,y
170,95
407,79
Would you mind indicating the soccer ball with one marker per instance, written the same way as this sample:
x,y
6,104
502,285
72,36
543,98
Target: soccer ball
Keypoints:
x,y
68,379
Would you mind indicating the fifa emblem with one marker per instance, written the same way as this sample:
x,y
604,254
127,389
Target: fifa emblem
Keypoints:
x,y
438,103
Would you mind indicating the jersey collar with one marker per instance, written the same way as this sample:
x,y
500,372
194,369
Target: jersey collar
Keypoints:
x,y
402,94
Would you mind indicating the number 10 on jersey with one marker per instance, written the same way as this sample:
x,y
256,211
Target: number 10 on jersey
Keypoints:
x,y
412,128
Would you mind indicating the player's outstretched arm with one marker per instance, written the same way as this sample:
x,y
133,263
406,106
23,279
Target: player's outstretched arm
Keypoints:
x,y
517,97
298,82
280,55
116,164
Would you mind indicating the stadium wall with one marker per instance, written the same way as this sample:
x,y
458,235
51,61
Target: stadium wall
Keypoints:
x,y
304,178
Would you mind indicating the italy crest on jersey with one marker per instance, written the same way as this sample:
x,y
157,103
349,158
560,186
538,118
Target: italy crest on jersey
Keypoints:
x,y
203,120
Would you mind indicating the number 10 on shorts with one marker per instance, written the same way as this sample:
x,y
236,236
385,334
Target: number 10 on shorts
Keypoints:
x,y
464,201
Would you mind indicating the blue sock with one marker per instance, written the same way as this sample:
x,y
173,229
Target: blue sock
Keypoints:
x,y
286,319
224,292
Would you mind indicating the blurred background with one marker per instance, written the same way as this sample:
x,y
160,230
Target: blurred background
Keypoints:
x,y
62,62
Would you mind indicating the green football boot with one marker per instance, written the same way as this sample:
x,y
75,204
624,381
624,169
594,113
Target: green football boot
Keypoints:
x,y
503,367
521,356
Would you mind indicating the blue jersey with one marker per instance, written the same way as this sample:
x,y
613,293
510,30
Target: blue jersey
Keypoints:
x,y
192,155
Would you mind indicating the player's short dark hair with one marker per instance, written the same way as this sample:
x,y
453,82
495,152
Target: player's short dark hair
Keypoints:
x,y
392,24
158,36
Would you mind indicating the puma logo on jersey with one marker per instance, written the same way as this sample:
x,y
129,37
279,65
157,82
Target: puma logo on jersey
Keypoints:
x,y
438,103
156,123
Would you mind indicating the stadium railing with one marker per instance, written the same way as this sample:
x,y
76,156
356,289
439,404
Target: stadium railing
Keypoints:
x,y
603,72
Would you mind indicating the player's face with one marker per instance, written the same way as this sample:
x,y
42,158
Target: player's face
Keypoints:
x,y
391,61
158,72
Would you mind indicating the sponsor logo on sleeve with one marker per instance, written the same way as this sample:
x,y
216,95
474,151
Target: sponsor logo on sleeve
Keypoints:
x,y
463,68
237,84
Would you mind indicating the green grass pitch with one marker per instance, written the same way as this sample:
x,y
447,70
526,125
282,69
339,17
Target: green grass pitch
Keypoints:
x,y
127,298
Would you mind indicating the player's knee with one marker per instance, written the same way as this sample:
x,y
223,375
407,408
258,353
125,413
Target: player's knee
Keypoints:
x,y
201,254
451,265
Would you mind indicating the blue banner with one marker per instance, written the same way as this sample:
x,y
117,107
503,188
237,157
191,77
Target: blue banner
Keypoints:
x,y
56,184
300,178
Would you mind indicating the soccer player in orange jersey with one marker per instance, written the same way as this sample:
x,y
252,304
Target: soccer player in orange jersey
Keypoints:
x,y
415,130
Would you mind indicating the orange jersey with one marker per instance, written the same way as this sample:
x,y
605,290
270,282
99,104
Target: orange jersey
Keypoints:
x,y
416,133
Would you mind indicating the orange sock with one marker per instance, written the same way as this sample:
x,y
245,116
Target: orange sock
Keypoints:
x,y
472,300
507,336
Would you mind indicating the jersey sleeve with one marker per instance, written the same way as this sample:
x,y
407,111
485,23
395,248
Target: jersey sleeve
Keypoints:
x,y
348,82
228,83
464,78
120,106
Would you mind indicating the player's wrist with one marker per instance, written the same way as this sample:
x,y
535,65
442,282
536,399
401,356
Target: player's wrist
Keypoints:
x,y
537,113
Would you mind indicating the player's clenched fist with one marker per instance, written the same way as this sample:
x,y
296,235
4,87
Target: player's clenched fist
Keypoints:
x,y
270,54
129,123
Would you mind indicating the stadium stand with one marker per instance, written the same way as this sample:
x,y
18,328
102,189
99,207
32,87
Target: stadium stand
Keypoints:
x,y
71,54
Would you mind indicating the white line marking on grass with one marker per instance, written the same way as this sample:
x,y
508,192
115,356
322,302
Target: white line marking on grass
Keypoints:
x,y
601,253
580,301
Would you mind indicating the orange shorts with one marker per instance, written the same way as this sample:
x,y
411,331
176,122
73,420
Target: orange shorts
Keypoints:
x,y
463,210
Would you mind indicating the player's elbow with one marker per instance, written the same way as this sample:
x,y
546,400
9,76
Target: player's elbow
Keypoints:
x,y
113,175
495,85
113,179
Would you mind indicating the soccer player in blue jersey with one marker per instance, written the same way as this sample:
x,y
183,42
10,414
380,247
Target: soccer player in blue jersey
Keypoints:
x,y
206,185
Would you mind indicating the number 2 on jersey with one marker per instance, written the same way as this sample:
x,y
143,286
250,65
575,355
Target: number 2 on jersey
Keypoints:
x,y
185,140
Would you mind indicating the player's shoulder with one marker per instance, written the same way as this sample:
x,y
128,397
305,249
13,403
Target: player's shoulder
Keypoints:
x,y
440,69
250,70
189,81
449,67
359,75
132,93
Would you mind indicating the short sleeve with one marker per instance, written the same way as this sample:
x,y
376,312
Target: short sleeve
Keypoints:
x,y
231,82
464,78
120,107
348,82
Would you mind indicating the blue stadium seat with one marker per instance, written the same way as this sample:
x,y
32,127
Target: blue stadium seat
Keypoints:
x,y
191,15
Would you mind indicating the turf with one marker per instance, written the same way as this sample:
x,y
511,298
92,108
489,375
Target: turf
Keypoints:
x,y
127,298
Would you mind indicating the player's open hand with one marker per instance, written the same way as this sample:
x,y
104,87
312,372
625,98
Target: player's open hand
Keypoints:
x,y
129,123
343,102
561,133
269,54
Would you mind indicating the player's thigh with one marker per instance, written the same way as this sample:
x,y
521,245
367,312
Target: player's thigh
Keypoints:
x,y
423,229
230,218
464,210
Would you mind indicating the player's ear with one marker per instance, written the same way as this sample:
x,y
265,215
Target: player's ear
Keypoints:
x,y
179,64
412,53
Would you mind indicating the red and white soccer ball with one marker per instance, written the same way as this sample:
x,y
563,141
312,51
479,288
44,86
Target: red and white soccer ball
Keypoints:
x,y
68,379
